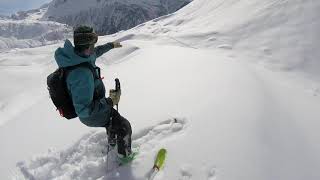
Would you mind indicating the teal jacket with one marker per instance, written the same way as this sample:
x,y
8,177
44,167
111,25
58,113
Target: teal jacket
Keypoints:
x,y
82,85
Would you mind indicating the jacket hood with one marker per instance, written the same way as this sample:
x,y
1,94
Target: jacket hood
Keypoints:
x,y
66,56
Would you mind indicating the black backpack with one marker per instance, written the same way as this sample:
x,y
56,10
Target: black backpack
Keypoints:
x,y
58,90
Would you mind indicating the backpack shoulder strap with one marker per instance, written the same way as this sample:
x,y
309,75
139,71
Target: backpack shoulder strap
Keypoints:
x,y
67,70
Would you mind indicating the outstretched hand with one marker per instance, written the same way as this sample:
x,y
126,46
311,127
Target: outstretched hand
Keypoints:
x,y
117,45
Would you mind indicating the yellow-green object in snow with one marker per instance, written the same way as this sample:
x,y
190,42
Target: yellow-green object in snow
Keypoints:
x,y
161,156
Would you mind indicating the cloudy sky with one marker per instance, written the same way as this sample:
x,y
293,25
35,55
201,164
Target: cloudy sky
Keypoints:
x,y
10,6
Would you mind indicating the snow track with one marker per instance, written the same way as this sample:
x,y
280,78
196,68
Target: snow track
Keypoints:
x,y
87,158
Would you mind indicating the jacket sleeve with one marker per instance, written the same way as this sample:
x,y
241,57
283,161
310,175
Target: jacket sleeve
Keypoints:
x,y
80,83
100,50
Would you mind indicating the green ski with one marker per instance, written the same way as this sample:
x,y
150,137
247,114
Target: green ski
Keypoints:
x,y
158,163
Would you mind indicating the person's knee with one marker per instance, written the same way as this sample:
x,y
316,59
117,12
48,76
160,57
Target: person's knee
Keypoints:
x,y
121,124
128,126
124,127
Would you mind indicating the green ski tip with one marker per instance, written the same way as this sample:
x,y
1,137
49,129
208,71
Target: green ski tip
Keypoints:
x,y
161,156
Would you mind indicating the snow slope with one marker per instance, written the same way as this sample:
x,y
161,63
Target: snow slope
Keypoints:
x,y
243,110
279,34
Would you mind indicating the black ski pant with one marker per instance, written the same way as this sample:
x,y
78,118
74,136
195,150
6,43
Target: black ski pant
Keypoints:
x,y
121,128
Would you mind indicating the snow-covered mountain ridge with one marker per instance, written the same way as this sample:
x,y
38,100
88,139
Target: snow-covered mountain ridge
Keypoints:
x,y
110,16
39,27
25,29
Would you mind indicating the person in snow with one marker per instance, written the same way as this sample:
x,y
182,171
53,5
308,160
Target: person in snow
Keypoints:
x,y
87,92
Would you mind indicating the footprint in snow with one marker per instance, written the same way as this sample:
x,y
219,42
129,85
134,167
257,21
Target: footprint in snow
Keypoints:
x,y
316,92
152,135
211,173
186,172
